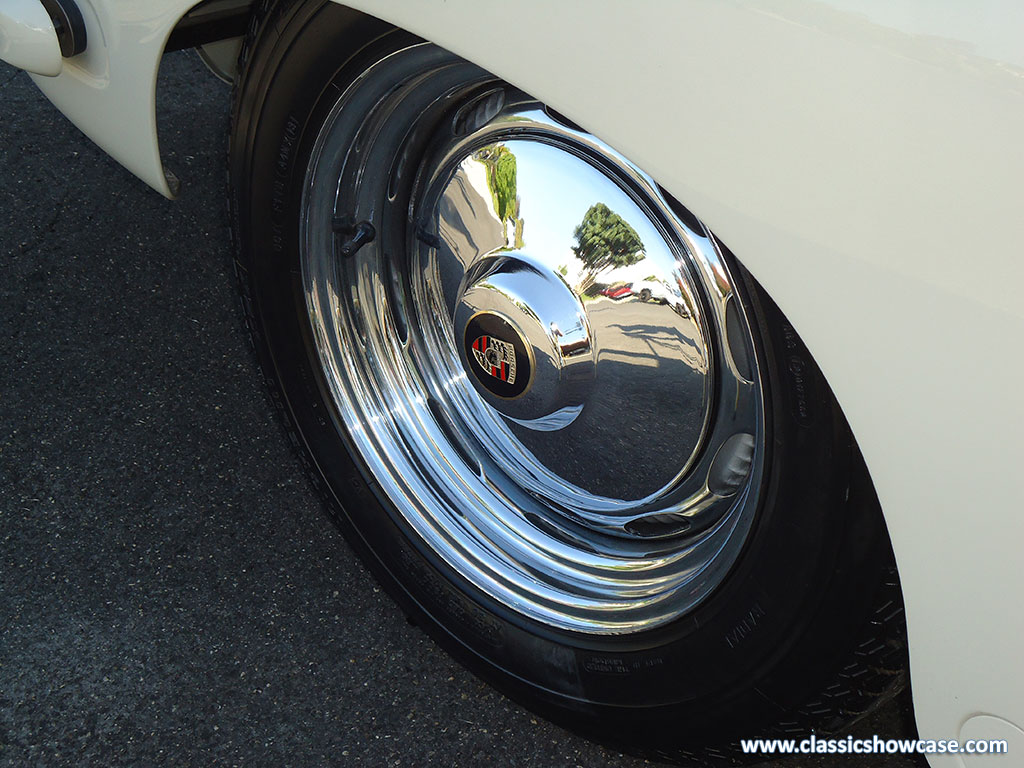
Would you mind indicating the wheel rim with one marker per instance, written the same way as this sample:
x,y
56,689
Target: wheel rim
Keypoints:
x,y
586,457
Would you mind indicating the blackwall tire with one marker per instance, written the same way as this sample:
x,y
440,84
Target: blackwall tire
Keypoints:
x,y
801,626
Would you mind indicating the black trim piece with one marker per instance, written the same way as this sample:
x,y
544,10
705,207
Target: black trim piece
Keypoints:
x,y
69,26
202,28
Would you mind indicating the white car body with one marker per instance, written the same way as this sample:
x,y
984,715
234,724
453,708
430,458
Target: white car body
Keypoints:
x,y
863,159
658,290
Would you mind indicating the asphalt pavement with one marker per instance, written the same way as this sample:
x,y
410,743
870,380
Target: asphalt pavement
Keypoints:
x,y
170,589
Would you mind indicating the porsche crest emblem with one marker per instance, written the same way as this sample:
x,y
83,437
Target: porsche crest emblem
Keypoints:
x,y
496,357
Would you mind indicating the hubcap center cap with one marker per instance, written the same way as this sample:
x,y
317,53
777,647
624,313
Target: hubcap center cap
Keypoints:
x,y
526,341
497,356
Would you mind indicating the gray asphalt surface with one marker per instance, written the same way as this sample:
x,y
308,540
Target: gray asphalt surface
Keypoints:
x,y
170,589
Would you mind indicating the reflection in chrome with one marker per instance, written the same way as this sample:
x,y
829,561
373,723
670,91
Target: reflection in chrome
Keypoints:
x,y
615,492
560,419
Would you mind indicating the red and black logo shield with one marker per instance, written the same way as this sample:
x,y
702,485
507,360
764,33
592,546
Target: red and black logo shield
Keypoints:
x,y
496,355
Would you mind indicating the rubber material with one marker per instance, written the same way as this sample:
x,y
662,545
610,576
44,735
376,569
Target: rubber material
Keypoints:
x,y
69,26
806,632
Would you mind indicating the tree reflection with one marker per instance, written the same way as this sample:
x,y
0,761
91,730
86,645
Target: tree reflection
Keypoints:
x,y
501,181
604,240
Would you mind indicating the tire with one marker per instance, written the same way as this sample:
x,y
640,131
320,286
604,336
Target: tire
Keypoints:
x,y
793,622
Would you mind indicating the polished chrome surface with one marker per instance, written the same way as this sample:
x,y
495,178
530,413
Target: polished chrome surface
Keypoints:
x,y
635,373
543,366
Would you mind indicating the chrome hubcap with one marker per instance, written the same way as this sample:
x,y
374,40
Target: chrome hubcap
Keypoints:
x,y
543,366
615,378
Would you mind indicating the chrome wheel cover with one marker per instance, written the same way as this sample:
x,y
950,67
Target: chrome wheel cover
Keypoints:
x,y
544,367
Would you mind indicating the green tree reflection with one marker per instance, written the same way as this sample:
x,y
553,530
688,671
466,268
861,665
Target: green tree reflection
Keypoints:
x,y
604,240
501,180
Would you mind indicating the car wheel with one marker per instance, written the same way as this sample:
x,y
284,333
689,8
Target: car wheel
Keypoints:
x,y
651,526
645,294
